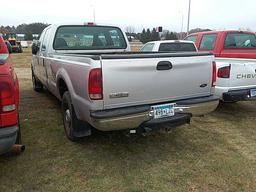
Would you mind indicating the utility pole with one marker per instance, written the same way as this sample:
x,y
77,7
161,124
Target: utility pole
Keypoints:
x,y
182,18
188,16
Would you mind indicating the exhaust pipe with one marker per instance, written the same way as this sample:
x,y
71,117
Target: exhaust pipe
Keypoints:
x,y
18,149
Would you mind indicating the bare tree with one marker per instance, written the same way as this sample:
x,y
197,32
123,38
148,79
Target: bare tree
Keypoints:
x,y
245,29
249,29
129,29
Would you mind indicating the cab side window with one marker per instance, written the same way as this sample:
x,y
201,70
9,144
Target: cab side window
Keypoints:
x,y
240,41
41,39
45,40
208,42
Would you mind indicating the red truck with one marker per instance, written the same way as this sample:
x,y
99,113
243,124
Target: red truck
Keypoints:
x,y
235,53
10,136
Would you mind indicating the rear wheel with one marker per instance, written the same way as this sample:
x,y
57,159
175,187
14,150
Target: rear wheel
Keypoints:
x,y
73,127
37,85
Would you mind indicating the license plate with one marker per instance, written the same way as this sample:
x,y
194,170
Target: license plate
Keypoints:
x,y
253,92
162,111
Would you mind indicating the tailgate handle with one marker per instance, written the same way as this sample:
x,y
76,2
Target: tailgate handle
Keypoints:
x,y
164,65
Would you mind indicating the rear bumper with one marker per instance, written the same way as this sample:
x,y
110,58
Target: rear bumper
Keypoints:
x,y
8,136
133,117
238,95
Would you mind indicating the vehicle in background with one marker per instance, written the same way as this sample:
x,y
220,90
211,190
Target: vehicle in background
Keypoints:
x,y
169,46
103,85
24,44
16,45
235,53
9,103
9,46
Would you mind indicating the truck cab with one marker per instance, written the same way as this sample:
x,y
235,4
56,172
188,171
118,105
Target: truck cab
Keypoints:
x,y
228,44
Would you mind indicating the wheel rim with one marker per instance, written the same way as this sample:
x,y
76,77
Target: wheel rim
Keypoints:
x,y
67,120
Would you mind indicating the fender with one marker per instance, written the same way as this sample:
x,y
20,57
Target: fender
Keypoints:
x,y
62,74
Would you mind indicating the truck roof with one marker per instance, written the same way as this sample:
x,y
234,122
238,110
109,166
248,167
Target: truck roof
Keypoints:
x,y
83,23
171,41
221,31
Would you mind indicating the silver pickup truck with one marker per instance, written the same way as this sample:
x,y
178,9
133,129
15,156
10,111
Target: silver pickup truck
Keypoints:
x,y
103,85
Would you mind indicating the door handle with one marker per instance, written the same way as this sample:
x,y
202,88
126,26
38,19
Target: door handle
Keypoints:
x,y
164,65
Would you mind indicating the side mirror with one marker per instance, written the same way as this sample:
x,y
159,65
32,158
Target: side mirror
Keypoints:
x,y
35,47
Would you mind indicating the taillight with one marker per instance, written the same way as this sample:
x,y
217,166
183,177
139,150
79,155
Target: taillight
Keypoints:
x,y
224,72
3,47
213,74
7,95
8,106
95,89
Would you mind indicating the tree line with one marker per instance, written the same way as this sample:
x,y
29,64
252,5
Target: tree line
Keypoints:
x,y
145,36
27,29
152,35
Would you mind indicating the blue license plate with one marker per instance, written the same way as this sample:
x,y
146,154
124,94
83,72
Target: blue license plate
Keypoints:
x,y
162,111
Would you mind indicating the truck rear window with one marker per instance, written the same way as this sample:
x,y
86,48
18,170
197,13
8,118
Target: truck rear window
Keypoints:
x,y
88,38
177,47
240,41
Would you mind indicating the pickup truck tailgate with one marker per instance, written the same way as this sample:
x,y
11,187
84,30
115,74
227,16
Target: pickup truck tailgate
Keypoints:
x,y
243,72
131,80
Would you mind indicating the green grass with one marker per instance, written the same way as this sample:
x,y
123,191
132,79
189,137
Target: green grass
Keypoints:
x,y
215,153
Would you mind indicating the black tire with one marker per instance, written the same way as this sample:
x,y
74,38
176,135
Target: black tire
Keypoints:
x,y
71,124
37,85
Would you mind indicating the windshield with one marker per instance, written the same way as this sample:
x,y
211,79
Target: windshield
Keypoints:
x,y
177,47
88,38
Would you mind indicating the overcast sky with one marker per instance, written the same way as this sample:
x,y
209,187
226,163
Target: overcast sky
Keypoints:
x,y
213,14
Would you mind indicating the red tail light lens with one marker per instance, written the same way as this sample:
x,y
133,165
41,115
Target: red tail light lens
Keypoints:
x,y
213,74
8,108
7,94
95,89
224,72
3,47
